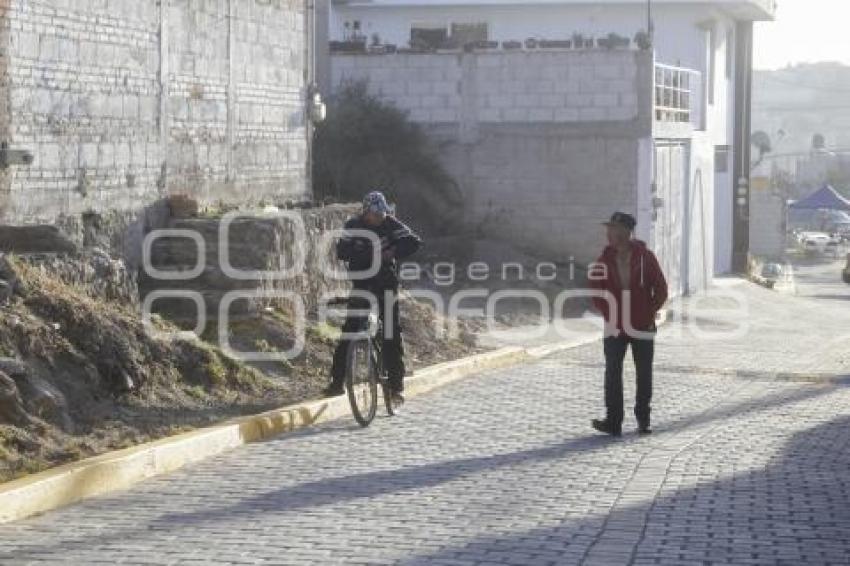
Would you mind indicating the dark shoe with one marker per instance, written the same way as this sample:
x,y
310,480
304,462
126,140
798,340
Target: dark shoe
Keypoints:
x,y
333,390
607,427
643,428
397,399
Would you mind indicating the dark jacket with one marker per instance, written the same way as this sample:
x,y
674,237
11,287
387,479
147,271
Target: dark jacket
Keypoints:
x,y
357,251
647,285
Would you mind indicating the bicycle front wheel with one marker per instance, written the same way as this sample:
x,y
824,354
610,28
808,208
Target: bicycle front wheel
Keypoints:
x,y
361,381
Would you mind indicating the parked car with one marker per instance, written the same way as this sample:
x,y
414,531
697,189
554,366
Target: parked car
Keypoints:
x,y
841,229
814,242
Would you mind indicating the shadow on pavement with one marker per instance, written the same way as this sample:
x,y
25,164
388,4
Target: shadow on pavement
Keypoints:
x,y
365,485
371,484
794,511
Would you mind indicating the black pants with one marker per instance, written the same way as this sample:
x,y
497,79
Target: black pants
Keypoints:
x,y
643,352
393,344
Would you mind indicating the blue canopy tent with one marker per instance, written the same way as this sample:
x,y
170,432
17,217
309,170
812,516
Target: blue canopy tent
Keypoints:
x,y
825,198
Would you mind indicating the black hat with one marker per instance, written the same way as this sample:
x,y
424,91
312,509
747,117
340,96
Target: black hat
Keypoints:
x,y
627,221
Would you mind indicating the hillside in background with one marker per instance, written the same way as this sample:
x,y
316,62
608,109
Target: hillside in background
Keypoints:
x,y
803,100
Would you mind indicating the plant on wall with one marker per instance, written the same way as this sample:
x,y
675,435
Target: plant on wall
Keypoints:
x,y
613,41
643,41
367,143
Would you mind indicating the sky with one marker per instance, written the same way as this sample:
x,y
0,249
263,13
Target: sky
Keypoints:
x,y
805,31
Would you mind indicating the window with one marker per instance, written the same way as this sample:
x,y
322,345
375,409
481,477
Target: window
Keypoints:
x,y
672,94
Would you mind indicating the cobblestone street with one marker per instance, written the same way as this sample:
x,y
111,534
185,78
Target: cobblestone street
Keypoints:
x,y
234,231
503,468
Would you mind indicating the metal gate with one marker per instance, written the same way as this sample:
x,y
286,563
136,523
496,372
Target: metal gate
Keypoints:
x,y
669,231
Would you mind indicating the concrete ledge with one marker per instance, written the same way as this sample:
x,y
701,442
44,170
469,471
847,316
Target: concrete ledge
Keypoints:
x,y
122,469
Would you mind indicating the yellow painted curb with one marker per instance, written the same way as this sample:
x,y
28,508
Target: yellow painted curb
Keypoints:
x,y
122,469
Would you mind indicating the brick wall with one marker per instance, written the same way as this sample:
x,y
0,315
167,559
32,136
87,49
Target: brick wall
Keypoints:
x,y
125,101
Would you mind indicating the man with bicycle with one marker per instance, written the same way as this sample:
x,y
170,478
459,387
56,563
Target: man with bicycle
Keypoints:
x,y
397,242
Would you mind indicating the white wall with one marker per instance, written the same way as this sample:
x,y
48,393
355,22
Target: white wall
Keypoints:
x,y
701,214
722,126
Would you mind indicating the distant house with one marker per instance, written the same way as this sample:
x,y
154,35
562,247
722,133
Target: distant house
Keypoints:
x,y
560,113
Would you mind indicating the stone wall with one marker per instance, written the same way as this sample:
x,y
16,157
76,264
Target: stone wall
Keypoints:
x,y
123,102
255,242
544,145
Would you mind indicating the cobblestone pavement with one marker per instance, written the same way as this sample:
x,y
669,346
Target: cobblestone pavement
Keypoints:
x,y
503,469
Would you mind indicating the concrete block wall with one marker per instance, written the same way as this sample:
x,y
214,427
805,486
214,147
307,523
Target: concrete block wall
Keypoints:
x,y
83,90
544,145
427,86
546,193
503,87
123,102
197,67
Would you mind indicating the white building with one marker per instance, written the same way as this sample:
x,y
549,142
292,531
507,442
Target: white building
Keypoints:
x,y
689,141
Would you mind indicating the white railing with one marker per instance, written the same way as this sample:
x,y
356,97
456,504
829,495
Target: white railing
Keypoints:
x,y
678,93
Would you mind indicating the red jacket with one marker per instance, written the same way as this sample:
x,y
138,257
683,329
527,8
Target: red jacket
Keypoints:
x,y
647,285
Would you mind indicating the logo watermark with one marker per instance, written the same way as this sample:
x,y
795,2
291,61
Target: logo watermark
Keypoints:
x,y
718,314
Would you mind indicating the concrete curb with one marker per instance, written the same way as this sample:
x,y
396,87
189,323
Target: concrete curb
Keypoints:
x,y
122,469
544,351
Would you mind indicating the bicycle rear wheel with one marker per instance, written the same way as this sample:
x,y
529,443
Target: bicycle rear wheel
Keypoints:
x,y
361,381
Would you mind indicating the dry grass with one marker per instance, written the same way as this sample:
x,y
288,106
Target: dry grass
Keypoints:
x,y
97,381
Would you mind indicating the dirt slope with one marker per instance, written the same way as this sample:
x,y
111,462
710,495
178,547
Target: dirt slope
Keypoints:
x,y
79,374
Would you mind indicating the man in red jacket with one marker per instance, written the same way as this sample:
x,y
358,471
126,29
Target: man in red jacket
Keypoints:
x,y
633,290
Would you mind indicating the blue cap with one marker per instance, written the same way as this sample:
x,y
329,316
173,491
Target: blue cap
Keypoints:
x,y
376,202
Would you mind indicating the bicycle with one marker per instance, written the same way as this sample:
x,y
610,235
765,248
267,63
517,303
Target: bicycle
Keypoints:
x,y
364,371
